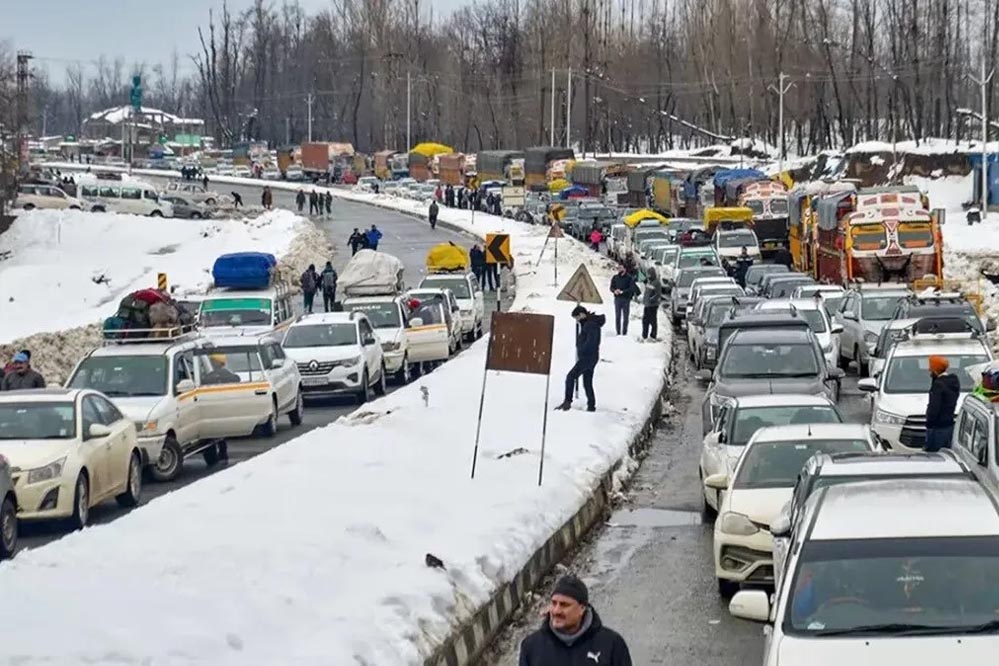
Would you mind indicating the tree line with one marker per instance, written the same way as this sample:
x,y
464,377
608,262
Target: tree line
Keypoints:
x,y
645,75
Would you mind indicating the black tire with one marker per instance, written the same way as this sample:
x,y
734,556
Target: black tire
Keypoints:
x,y
74,208
380,387
132,494
296,415
195,215
156,213
214,454
81,503
8,528
708,514
364,393
727,588
98,209
479,332
270,426
861,366
170,463
405,373
29,206
210,201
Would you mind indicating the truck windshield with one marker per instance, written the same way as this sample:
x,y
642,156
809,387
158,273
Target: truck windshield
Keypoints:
x,y
123,376
778,207
915,235
235,312
755,205
384,314
868,237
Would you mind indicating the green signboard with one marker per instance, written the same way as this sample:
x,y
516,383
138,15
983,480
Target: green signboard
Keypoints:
x,y
188,140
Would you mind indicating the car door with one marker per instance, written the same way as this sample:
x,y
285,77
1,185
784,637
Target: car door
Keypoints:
x,y
187,409
429,340
480,302
847,337
95,452
284,377
119,445
371,347
232,408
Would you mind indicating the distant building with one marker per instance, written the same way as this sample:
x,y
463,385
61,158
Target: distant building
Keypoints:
x,y
151,126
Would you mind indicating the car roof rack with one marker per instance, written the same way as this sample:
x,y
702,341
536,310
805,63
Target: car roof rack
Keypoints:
x,y
940,327
119,336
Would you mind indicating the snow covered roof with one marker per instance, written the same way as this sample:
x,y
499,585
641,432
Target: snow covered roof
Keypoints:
x,y
924,147
120,113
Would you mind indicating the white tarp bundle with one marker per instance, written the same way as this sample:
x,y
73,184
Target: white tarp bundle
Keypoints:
x,y
370,272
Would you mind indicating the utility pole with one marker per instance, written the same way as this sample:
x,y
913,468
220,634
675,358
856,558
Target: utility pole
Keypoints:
x,y
287,130
23,74
551,141
781,90
568,110
409,112
983,84
308,100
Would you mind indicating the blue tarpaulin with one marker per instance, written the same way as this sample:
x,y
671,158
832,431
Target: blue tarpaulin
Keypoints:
x,y
573,191
727,175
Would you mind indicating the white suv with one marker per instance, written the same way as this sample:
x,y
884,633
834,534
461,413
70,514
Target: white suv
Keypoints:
x,y
50,197
470,299
337,352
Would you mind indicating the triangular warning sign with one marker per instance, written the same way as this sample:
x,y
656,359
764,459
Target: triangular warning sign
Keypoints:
x,y
580,288
556,231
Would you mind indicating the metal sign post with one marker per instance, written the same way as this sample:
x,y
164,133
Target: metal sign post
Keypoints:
x,y
518,342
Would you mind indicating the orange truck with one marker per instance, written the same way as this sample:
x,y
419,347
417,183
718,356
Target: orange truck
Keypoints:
x,y
451,169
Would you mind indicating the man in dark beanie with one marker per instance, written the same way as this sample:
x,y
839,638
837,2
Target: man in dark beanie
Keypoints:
x,y
572,634
587,356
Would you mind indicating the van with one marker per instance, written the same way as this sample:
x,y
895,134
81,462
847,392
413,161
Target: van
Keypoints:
x,y
236,311
46,197
129,197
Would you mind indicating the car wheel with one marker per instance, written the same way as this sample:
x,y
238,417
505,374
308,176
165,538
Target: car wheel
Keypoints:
x,y
8,528
405,374
156,213
170,462
97,209
727,588
708,513
29,206
74,208
81,503
478,331
269,428
195,215
380,387
133,486
364,393
210,202
295,415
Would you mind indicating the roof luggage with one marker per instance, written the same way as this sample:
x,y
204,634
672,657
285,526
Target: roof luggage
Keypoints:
x,y
244,270
372,273
447,257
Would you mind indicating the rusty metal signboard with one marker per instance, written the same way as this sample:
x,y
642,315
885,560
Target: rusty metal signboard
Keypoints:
x,y
521,342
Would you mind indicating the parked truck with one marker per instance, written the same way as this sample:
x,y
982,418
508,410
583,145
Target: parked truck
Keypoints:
x,y
537,161
383,164
322,160
452,169
497,165
750,188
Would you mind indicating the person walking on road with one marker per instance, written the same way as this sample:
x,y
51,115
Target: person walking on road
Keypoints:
x,y
433,214
329,204
310,283
204,182
356,241
783,258
596,238
373,235
572,633
477,258
300,200
266,198
651,299
237,199
742,266
944,392
587,355
622,286
327,282
21,376
313,202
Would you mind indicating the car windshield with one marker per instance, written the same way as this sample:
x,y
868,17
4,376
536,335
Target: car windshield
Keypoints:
x,y
123,376
911,374
235,312
879,308
458,285
649,236
691,259
687,277
784,288
384,314
778,464
750,419
321,335
737,239
755,274
897,586
751,361
37,420
815,318
833,303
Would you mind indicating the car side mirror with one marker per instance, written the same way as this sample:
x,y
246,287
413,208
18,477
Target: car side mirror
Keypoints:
x,y
185,385
781,526
836,373
750,605
98,430
415,322
717,481
704,375
836,329
868,385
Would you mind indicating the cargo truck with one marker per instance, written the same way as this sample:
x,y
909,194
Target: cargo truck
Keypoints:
x,y
750,188
383,164
320,160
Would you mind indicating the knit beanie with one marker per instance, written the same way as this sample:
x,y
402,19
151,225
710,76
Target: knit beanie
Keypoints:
x,y
572,587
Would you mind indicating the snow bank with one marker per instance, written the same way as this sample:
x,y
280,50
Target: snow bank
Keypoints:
x,y
314,552
65,271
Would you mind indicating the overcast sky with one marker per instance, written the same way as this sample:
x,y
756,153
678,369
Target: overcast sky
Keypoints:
x,y
58,32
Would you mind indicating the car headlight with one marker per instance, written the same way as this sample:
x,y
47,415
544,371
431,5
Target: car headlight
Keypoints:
x,y
347,362
51,471
391,346
870,337
737,524
146,427
888,418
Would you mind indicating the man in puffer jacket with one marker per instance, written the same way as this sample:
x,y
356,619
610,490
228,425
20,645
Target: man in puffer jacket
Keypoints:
x,y
587,357
944,392
572,633
651,300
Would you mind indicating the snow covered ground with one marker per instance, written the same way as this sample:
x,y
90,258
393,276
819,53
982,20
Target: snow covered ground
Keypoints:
x,y
69,268
314,552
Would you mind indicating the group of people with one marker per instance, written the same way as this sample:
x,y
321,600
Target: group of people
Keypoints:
x,y
737,269
467,198
487,274
318,202
364,240
18,375
325,282
624,287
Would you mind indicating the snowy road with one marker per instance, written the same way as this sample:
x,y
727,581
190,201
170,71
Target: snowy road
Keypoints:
x,y
650,568
404,236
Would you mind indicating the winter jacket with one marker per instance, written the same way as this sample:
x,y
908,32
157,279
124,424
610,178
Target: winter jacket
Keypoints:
x,y
598,646
433,211
373,236
14,381
783,258
588,338
625,283
653,294
309,282
328,279
477,257
944,392
356,239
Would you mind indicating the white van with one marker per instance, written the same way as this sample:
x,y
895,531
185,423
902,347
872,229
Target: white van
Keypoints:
x,y
240,312
31,196
132,197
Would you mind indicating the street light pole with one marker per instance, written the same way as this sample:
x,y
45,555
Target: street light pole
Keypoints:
x,y
568,110
781,90
308,100
409,111
552,132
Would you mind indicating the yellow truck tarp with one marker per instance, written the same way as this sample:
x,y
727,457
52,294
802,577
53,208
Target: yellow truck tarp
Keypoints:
x,y
428,150
716,214
640,216
558,185
447,257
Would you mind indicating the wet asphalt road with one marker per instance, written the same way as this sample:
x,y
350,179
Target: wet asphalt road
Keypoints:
x,y
405,237
649,567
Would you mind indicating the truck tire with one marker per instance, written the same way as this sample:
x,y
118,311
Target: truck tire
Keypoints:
x,y
168,466
133,486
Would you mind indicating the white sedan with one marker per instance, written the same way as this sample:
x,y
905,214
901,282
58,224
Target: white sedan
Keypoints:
x,y
70,450
763,481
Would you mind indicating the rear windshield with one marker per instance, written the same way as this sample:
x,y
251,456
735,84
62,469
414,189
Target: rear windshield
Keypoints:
x,y
687,277
741,239
750,419
457,285
691,259
879,308
769,361
755,274
778,464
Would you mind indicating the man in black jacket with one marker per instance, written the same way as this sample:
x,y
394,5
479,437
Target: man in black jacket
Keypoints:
x,y
783,258
623,287
944,391
572,633
587,355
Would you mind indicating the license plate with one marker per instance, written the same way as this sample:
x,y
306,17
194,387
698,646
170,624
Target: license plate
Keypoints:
x,y
315,381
